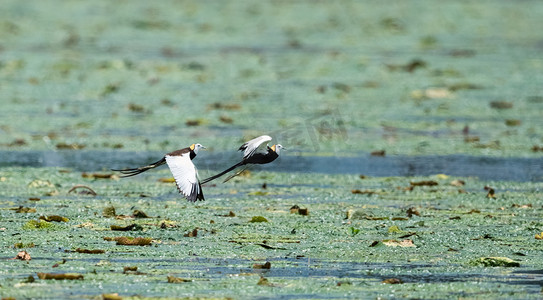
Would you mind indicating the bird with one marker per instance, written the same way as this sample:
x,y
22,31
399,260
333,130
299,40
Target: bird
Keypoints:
x,y
251,156
183,170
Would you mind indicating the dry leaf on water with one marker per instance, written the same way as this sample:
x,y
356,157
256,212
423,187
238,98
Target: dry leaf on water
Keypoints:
x,y
87,191
131,227
25,210
193,233
54,218
392,281
114,296
458,182
424,183
378,153
396,243
23,255
65,276
364,192
129,241
139,214
172,279
96,251
266,265
412,212
491,193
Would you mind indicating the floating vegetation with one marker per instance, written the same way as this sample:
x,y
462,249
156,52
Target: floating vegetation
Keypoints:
x,y
113,296
432,93
424,183
225,106
494,262
490,192
131,227
410,67
364,192
258,193
24,210
501,104
94,251
458,182
226,119
135,107
54,218
100,175
392,281
378,153
110,89
173,279
109,212
258,219
130,241
167,180
412,211
396,243
38,224
65,276
138,214
193,233
72,146
23,255
394,229
195,122
117,90
300,211
87,190
38,183
132,270
513,122
23,245
266,265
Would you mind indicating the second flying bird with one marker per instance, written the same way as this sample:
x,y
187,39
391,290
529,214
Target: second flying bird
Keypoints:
x,y
251,156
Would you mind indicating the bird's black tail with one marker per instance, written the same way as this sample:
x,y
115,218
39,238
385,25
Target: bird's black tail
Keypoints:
x,y
241,163
136,171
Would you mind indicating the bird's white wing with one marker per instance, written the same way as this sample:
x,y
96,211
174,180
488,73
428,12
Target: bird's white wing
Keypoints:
x,y
250,147
184,173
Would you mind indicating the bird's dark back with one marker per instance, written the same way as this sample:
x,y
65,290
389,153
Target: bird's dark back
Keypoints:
x,y
261,158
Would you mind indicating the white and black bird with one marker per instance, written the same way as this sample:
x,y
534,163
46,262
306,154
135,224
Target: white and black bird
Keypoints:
x,y
251,156
183,170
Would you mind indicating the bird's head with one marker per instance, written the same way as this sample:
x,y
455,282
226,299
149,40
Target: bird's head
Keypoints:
x,y
277,148
196,147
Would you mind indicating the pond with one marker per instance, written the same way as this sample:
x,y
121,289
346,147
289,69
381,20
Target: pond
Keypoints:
x,y
414,144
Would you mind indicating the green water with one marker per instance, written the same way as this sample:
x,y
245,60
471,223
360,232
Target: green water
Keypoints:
x,y
327,79
338,250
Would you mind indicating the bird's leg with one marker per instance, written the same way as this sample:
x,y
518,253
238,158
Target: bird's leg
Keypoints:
x,y
237,174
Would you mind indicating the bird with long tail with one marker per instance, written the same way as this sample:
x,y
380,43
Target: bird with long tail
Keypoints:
x,y
251,156
183,170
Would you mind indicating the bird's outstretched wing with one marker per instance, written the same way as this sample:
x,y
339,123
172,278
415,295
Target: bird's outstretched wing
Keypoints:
x,y
250,147
185,175
139,170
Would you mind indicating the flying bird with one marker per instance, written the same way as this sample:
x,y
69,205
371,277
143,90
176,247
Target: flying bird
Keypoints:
x,y
183,170
251,156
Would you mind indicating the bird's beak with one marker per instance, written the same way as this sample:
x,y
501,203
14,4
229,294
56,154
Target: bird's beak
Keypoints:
x,y
204,147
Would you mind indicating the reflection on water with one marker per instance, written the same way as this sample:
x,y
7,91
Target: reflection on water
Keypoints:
x,y
487,168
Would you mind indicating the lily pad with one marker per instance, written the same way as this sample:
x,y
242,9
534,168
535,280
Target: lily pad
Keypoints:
x,y
494,262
